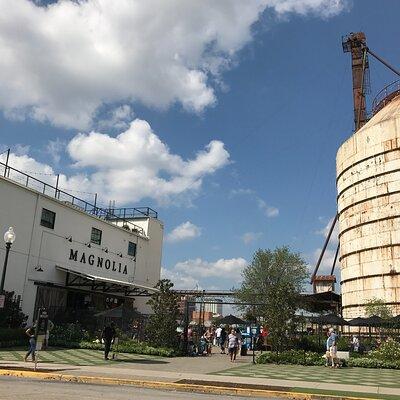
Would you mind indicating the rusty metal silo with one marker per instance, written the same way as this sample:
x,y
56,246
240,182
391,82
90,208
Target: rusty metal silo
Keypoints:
x,y
368,184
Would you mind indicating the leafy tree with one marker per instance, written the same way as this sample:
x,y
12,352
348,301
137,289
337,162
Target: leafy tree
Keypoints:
x,y
274,279
377,307
11,316
162,325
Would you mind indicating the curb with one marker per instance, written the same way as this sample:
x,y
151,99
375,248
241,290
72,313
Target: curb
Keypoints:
x,y
184,387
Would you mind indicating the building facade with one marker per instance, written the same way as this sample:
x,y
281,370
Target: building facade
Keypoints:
x,y
213,305
368,184
71,255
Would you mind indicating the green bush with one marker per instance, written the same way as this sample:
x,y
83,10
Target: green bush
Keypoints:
x,y
68,333
10,337
295,357
11,315
367,362
309,343
388,351
343,344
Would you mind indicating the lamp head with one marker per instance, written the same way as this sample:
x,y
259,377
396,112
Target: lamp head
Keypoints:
x,y
9,236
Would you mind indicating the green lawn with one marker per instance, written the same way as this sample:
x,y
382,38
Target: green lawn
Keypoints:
x,y
350,376
76,357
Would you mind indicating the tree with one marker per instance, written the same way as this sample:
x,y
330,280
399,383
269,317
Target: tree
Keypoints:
x,y
11,316
377,307
275,280
162,324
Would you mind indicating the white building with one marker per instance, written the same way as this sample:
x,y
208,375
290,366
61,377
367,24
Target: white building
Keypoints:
x,y
69,254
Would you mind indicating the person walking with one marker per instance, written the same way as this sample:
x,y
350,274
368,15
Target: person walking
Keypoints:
x,y
108,336
330,342
30,332
355,344
222,340
218,335
232,345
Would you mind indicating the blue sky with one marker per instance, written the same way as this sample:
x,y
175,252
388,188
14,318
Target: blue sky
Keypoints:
x,y
238,110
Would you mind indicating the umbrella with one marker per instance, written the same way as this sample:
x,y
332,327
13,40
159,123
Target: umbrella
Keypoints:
x,y
358,322
374,320
231,320
330,319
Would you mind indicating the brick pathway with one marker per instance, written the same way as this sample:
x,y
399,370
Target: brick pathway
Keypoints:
x,y
350,376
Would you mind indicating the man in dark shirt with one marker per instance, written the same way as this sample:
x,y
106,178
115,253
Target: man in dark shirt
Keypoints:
x,y
108,336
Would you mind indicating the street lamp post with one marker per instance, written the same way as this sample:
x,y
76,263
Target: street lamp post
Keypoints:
x,y
9,238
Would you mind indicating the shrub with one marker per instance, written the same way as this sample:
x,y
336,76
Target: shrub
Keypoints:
x,y
388,351
296,357
309,343
11,315
68,333
343,344
367,362
12,337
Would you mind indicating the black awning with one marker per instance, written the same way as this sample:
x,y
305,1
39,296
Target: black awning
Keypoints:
x,y
77,279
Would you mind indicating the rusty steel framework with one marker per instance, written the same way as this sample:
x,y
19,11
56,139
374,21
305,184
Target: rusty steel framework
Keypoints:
x,y
356,44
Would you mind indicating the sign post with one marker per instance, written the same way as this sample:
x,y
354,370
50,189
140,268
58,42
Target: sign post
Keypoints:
x,y
40,332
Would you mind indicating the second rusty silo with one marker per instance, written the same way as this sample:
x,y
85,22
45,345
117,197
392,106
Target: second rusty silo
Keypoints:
x,y
368,184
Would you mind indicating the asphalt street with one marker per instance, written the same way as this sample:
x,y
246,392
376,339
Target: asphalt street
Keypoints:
x,y
32,389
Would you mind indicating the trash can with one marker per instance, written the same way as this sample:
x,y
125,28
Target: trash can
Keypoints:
x,y
243,350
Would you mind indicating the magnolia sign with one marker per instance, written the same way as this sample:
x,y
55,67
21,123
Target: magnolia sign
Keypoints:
x,y
99,262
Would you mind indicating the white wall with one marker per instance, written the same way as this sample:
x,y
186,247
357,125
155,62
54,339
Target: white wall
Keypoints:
x,y
37,246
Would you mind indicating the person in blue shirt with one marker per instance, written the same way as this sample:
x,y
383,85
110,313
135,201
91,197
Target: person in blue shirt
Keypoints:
x,y
331,346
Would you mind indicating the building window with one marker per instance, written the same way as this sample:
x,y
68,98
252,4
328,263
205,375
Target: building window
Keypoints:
x,y
48,218
96,236
132,249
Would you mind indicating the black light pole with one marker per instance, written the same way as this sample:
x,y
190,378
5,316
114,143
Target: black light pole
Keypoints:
x,y
9,238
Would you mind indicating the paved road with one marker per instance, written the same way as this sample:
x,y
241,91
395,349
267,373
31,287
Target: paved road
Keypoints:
x,y
23,389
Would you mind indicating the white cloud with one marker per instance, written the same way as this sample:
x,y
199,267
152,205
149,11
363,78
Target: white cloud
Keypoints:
x,y
250,237
325,231
269,211
180,281
323,8
118,118
54,148
198,268
326,263
184,231
132,166
60,62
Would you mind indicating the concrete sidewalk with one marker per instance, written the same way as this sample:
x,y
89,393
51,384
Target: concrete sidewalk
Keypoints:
x,y
126,373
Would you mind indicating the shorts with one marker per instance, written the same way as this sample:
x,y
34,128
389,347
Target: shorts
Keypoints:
x,y
232,350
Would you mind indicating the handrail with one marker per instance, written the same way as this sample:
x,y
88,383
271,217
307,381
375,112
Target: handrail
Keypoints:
x,y
385,96
67,198
134,212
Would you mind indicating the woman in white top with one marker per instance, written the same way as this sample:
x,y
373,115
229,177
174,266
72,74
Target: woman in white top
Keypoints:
x,y
232,345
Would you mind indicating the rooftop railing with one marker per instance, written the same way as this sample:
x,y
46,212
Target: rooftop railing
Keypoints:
x,y
385,96
48,189
132,213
